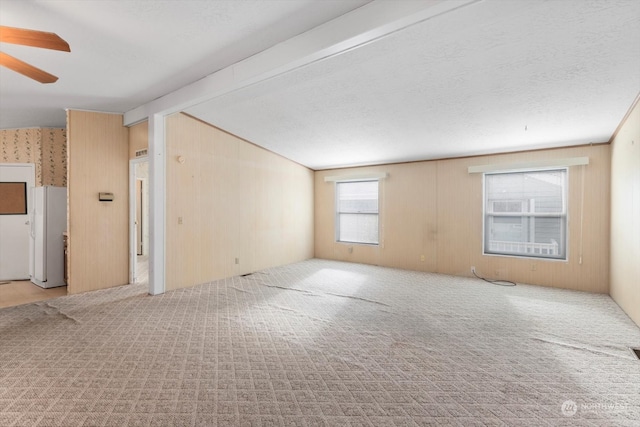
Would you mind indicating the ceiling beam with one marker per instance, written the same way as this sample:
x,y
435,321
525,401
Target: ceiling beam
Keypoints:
x,y
352,30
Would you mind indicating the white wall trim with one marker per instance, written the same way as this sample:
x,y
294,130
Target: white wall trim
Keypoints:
x,y
536,164
157,204
352,30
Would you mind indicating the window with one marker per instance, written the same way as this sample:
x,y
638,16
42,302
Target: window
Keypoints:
x,y
525,213
357,212
13,198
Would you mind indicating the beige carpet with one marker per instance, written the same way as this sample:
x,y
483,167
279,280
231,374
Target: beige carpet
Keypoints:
x,y
321,343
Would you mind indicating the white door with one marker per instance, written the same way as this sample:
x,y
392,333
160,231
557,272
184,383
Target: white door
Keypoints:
x,y
14,219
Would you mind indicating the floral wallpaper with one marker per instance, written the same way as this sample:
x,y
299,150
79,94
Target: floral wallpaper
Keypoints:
x,y
44,147
54,157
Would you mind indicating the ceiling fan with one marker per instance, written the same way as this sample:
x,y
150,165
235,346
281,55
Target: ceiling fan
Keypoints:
x,y
33,38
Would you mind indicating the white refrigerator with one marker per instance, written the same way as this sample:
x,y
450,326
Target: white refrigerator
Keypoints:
x,y
48,223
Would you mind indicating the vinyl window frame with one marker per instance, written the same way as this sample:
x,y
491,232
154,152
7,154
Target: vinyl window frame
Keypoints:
x,y
338,213
563,254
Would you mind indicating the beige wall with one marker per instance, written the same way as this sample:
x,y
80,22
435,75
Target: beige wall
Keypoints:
x,y
98,159
138,138
228,200
625,216
46,148
434,208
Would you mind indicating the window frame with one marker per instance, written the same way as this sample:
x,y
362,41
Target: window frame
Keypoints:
x,y
564,216
337,213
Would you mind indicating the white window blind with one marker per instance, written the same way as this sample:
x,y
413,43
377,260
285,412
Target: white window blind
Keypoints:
x,y
357,212
526,213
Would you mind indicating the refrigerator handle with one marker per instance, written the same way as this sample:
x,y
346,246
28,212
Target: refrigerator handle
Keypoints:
x,y
31,221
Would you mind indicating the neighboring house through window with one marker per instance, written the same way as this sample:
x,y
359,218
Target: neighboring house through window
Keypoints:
x,y
357,212
525,213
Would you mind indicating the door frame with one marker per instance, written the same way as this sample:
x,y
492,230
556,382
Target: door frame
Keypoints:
x,y
140,211
133,247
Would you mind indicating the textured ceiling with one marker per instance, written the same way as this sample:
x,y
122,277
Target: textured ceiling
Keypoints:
x,y
127,53
490,77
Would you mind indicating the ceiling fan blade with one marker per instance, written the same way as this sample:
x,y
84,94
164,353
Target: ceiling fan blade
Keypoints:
x,y
26,69
33,38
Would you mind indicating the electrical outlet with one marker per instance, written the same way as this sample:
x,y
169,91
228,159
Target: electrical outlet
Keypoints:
x,y
533,267
422,258
473,270
179,220
237,260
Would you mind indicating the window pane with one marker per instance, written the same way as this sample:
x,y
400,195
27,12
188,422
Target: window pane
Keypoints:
x,y
13,198
357,212
532,192
358,197
525,213
507,206
359,228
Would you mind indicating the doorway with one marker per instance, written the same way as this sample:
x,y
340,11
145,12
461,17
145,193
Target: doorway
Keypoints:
x,y
138,219
16,182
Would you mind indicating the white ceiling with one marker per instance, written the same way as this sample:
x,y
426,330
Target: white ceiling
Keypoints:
x,y
126,53
491,76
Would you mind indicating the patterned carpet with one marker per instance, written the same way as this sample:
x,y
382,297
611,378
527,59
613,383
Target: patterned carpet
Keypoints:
x,y
321,343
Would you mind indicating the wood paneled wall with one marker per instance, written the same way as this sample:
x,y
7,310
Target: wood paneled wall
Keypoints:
x,y
98,159
46,148
231,200
434,209
625,216
138,138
